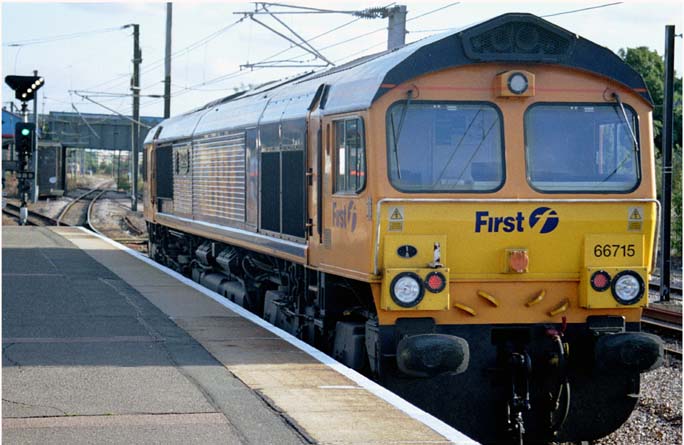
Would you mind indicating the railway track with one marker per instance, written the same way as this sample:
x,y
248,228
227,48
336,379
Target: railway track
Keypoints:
x,y
81,212
34,219
666,322
675,291
79,203
90,212
136,242
132,227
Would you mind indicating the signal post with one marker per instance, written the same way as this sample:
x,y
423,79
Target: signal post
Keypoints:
x,y
25,140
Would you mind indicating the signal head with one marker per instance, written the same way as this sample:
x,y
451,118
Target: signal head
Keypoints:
x,y
24,87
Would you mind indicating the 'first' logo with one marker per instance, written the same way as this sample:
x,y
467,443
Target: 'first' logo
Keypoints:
x,y
542,219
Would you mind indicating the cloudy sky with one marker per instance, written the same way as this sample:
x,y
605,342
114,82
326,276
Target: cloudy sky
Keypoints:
x,y
82,47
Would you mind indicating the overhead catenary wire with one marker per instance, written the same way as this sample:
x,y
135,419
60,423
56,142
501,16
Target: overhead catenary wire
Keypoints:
x,y
113,110
573,11
238,73
581,9
269,58
382,28
337,28
365,13
350,56
57,38
85,121
433,11
213,35
159,62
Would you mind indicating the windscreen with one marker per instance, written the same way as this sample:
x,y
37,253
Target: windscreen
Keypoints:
x,y
582,148
445,147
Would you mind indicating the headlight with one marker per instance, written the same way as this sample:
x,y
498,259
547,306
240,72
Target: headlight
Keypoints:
x,y
517,83
627,287
406,289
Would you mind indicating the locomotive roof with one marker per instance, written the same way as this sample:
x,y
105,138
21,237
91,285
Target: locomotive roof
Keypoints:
x,y
513,37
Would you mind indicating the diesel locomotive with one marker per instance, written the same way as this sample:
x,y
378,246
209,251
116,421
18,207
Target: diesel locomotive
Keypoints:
x,y
469,218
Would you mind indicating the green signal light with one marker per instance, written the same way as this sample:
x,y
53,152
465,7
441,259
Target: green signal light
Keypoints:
x,y
25,131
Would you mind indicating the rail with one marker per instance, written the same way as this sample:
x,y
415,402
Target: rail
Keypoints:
x,y
132,227
34,219
91,207
676,291
136,243
69,206
664,321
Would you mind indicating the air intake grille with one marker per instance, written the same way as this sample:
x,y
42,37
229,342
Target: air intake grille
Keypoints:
x,y
520,40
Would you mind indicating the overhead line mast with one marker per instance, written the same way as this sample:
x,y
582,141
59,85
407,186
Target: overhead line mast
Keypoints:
x,y
396,36
167,62
135,90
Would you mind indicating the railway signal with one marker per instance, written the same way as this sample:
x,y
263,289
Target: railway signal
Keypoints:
x,y
25,87
24,133
24,140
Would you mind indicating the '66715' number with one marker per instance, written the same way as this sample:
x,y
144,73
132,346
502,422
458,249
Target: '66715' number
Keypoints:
x,y
613,250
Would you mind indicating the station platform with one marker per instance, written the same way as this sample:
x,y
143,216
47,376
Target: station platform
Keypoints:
x,y
102,345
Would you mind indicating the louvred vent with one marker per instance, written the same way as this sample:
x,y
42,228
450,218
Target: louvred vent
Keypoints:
x,y
522,38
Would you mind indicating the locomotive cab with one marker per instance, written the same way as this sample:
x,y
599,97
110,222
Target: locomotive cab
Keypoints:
x,y
534,182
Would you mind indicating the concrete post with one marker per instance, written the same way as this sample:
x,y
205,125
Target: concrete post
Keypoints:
x,y
396,28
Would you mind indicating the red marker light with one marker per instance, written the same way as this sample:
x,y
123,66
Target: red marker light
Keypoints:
x,y
435,282
600,281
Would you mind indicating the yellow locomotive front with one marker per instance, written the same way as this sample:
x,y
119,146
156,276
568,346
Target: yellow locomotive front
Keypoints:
x,y
513,242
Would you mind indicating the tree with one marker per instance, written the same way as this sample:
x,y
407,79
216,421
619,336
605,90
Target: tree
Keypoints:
x,y
651,66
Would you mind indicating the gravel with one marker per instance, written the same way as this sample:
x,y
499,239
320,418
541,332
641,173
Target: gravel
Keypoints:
x,y
657,419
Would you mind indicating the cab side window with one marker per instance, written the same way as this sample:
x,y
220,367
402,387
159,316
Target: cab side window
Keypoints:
x,y
350,156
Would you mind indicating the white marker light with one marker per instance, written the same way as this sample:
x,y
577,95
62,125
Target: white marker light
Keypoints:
x,y
517,83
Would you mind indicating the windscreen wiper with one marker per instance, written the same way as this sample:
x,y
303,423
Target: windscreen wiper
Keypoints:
x,y
616,96
624,115
397,134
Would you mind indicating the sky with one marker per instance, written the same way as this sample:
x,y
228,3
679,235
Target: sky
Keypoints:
x,y
81,49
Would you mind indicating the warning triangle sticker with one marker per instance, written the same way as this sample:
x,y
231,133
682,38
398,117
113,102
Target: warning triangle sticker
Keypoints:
x,y
635,215
396,214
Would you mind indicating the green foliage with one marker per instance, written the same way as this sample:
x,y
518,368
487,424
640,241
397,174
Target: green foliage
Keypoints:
x,y
651,66
90,161
123,182
105,168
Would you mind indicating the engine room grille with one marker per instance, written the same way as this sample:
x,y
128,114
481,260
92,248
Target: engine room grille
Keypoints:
x,y
218,177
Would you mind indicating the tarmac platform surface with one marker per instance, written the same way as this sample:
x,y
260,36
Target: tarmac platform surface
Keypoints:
x,y
100,346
